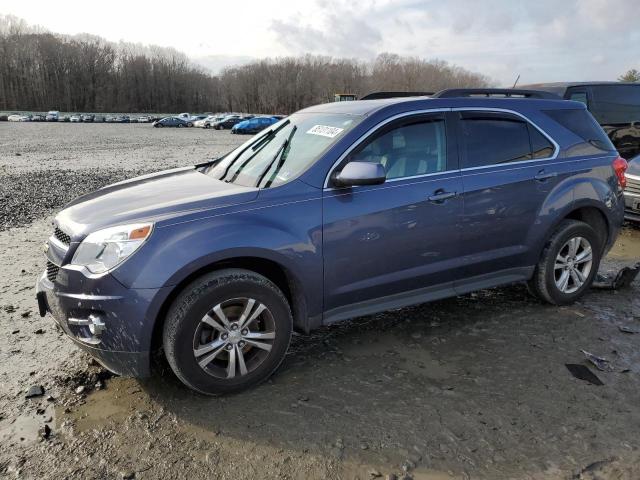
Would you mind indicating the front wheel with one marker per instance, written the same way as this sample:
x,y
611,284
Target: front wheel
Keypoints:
x,y
568,264
227,331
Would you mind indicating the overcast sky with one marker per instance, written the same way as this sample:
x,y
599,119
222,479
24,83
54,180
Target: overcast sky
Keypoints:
x,y
542,40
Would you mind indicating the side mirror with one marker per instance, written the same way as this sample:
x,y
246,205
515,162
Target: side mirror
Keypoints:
x,y
360,173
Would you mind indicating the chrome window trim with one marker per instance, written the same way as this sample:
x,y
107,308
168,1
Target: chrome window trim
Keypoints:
x,y
366,135
373,129
526,119
633,177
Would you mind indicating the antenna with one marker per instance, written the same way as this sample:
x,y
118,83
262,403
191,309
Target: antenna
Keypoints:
x,y
516,82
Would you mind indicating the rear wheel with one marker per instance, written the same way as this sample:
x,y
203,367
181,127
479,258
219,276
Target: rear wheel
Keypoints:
x,y
568,264
227,331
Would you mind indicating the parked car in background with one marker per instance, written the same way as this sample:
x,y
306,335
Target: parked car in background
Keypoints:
x,y
37,117
227,122
632,192
144,119
253,125
122,119
208,122
187,118
65,118
170,122
76,118
88,118
19,117
340,210
52,116
615,106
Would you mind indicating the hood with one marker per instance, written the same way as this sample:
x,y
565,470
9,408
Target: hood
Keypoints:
x,y
634,166
153,197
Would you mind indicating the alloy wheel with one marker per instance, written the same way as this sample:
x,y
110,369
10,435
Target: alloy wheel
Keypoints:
x,y
234,338
573,264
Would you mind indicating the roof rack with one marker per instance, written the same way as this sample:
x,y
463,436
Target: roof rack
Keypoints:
x,y
380,95
489,92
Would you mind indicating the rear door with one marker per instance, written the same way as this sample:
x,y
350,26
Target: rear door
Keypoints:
x,y
507,172
382,241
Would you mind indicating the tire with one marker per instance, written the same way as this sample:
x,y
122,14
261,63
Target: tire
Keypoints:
x,y
189,124
206,125
547,281
194,333
180,125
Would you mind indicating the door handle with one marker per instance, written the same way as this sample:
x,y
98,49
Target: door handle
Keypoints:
x,y
440,196
542,175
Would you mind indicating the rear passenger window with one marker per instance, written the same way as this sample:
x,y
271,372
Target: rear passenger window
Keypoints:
x,y
489,139
416,147
541,147
581,123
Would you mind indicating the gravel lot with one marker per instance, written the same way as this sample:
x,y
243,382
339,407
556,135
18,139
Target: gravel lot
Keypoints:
x,y
473,387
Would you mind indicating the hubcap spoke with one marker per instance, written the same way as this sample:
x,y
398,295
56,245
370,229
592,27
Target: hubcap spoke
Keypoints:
x,y
260,335
585,256
262,345
212,322
231,369
209,358
246,312
243,367
204,349
563,281
261,308
573,246
579,275
221,316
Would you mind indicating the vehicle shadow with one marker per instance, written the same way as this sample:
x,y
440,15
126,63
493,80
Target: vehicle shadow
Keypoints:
x,y
474,382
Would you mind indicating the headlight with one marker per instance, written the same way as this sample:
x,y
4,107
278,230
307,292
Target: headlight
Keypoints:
x,y
105,249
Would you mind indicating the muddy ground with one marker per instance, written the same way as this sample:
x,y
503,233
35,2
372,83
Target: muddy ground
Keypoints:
x,y
473,387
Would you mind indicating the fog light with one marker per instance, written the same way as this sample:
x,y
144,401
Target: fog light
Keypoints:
x,y
96,326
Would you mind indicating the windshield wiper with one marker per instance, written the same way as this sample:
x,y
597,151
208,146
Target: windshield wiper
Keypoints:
x,y
280,154
269,135
256,146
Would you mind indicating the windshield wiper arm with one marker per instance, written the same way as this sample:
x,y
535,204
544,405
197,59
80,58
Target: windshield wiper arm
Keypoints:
x,y
270,134
280,154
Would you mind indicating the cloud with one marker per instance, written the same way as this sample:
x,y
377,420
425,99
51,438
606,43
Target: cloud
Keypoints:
x,y
340,34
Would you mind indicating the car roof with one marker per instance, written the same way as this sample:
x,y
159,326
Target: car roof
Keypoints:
x,y
368,107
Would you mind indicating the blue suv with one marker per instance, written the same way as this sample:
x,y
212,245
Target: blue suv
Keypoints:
x,y
336,211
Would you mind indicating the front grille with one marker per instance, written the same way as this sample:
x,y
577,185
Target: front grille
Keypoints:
x,y
633,186
63,237
52,271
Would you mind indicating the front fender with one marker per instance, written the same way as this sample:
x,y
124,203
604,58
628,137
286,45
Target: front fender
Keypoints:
x,y
289,235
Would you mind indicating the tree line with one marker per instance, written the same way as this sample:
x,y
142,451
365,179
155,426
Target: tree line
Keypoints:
x,y
42,71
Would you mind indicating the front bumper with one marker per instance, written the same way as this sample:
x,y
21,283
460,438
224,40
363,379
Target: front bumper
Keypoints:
x,y
112,323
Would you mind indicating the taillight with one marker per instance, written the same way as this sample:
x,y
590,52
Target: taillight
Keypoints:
x,y
620,166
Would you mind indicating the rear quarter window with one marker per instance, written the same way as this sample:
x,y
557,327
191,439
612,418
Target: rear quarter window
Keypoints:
x,y
582,124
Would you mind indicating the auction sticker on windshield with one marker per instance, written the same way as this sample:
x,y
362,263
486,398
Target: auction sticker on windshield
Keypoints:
x,y
325,131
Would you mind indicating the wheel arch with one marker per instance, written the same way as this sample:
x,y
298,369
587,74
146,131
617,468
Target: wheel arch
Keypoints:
x,y
276,272
588,212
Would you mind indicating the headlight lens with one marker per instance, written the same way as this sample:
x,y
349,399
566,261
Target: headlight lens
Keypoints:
x,y
105,249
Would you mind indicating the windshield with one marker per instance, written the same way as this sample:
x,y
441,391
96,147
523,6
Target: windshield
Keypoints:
x,y
283,151
616,103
